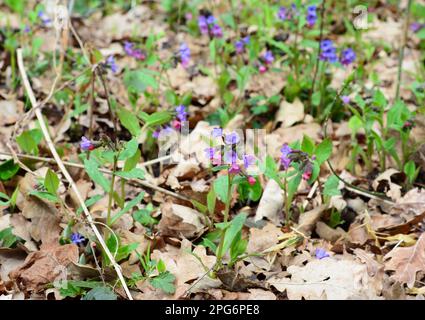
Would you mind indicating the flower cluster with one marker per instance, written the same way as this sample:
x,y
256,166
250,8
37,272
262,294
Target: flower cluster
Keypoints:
x,y
267,59
131,51
311,15
208,25
230,157
328,53
290,155
241,44
282,14
348,56
184,53
175,124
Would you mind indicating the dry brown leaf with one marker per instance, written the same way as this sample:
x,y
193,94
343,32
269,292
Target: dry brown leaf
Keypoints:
x,y
180,221
406,262
290,113
44,266
309,219
271,203
262,239
327,278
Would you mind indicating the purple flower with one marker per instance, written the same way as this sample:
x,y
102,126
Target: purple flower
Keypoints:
x,y
284,158
45,20
230,157
232,138
86,144
345,99
188,16
234,169
321,253
347,56
132,52
248,160
281,14
211,20
240,45
268,57
203,25
110,61
77,238
184,55
328,51
156,133
217,132
181,113
210,152
311,15
216,31
27,29
416,26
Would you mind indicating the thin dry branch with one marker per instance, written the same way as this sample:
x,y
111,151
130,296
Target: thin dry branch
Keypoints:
x,y
65,172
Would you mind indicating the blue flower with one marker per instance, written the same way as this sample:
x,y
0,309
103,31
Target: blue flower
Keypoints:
x,y
311,15
110,61
181,113
348,56
230,157
203,25
240,45
321,253
211,20
281,14
248,160
184,55
268,57
284,158
217,132
345,99
232,138
328,51
86,144
45,20
216,31
77,238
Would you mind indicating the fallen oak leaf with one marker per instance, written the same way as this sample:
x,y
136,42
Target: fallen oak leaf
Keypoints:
x,y
406,262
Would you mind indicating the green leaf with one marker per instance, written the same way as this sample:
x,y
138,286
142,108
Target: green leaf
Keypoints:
x,y
135,173
398,115
4,196
8,169
411,171
235,226
45,196
211,200
199,206
221,188
331,186
100,293
128,207
92,169
139,80
89,202
323,151
129,121
144,216
130,149
8,239
156,118
132,162
28,141
51,182
307,145
161,267
165,282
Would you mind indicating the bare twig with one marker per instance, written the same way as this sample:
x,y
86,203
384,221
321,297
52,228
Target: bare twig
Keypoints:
x,y
78,165
65,172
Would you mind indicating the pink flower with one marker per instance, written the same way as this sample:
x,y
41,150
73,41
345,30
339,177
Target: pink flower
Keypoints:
x,y
251,180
